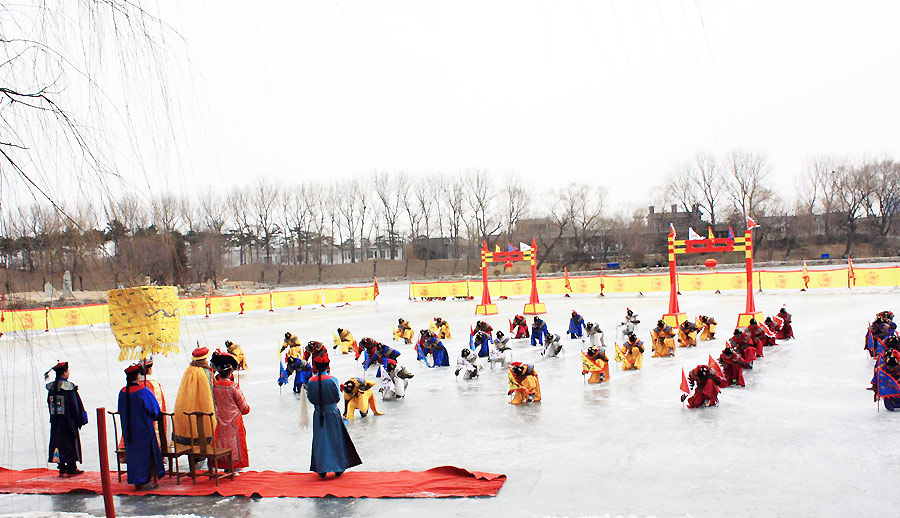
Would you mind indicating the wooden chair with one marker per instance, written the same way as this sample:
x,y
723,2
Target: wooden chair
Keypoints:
x,y
171,451
207,451
119,444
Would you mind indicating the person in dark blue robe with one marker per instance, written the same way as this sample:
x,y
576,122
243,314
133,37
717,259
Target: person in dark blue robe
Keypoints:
x,y
139,410
480,343
67,416
538,331
576,326
332,448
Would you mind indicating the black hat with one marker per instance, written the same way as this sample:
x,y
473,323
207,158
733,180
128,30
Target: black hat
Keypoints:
x,y
223,361
287,336
752,321
59,368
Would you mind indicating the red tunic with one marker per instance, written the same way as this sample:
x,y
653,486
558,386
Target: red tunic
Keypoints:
x,y
230,431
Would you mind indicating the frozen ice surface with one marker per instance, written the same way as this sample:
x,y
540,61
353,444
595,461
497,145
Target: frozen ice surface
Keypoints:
x,y
802,439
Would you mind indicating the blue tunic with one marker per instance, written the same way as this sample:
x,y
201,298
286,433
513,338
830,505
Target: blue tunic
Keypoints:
x,y
139,410
576,325
332,449
538,333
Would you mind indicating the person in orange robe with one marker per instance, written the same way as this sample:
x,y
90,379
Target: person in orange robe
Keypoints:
x,y
231,406
195,394
595,362
524,385
663,339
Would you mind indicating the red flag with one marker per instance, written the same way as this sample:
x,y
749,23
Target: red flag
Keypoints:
x,y
750,223
805,276
471,331
684,384
851,275
375,296
672,231
510,326
714,366
568,284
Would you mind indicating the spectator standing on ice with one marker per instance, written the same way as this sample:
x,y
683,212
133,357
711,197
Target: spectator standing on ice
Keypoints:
x,y
231,406
139,411
332,448
67,416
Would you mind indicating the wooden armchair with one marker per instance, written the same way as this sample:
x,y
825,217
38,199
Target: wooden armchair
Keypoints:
x,y
171,451
206,449
120,444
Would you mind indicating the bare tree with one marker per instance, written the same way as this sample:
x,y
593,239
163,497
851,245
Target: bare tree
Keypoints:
x,y
883,201
851,185
708,180
454,195
165,212
391,189
480,196
518,198
746,184
425,207
263,201
562,214
682,185
239,208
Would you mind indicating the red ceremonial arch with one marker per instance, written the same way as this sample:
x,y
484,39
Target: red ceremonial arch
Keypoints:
x,y
534,306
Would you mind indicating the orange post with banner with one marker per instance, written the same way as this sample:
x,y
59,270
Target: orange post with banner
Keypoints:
x,y
534,305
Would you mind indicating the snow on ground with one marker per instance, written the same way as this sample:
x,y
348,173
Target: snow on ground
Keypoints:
x,y
802,439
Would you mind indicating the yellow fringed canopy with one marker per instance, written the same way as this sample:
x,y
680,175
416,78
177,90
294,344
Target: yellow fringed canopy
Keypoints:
x,y
145,320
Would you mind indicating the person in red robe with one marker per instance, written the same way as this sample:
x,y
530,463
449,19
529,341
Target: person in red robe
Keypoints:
x,y
786,330
732,367
520,326
742,344
231,406
706,387
757,337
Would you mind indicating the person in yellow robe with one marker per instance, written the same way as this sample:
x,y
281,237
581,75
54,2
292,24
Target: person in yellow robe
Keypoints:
x,y
524,385
344,339
631,353
663,339
707,327
403,331
238,353
195,394
440,328
687,334
358,395
595,362
293,346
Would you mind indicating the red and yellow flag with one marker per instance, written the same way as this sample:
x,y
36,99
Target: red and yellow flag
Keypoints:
x,y
375,296
568,284
851,275
805,276
714,366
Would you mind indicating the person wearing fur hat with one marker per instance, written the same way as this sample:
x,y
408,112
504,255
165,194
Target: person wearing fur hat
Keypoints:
x,y
743,346
440,328
146,378
786,330
238,353
394,380
687,334
332,448
231,406
403,331
67,416
706,385
293,346
524,386
358,395
139,412
707,326
195,394
595,362
344,339
576,326
539,332
480,343
631,353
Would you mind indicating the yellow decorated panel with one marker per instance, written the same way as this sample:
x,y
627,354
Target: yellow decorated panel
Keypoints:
x,y
225,304
79,315
145,320
877,276
192,306
297,298
698,282
256,301
344,295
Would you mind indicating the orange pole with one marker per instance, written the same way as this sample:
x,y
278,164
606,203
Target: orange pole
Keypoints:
x,y
104,464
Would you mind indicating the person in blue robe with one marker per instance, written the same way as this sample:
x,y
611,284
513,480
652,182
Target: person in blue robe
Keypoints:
x,y
538,331
139,411
434,347
332,448
576,326
67,416
480,343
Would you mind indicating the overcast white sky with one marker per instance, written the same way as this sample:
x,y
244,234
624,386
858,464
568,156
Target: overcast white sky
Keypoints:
x,y
612,92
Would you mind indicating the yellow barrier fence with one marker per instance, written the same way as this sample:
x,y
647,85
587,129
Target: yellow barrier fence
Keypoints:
x,y
90,314
688,281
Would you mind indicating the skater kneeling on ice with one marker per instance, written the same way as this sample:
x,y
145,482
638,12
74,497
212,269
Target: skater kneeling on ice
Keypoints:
x,y
706,387
732,367
358,395
631,353
394,380
786,330
440,328
403,331
480,343
707,326
524,386
483,327
539,331
293,346
663,339
376,353
744,347
576,326
501,353
595,362
520,326
344,339
435,348
552,347
687,334
468,364
595,334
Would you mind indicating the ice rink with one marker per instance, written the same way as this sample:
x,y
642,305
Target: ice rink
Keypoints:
x,y
803,438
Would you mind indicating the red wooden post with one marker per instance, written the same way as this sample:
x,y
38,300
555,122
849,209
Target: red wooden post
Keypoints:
x,y
534,306
104,464
47,319
486,307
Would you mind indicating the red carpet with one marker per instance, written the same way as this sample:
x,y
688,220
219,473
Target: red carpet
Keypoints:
x,y
444,481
